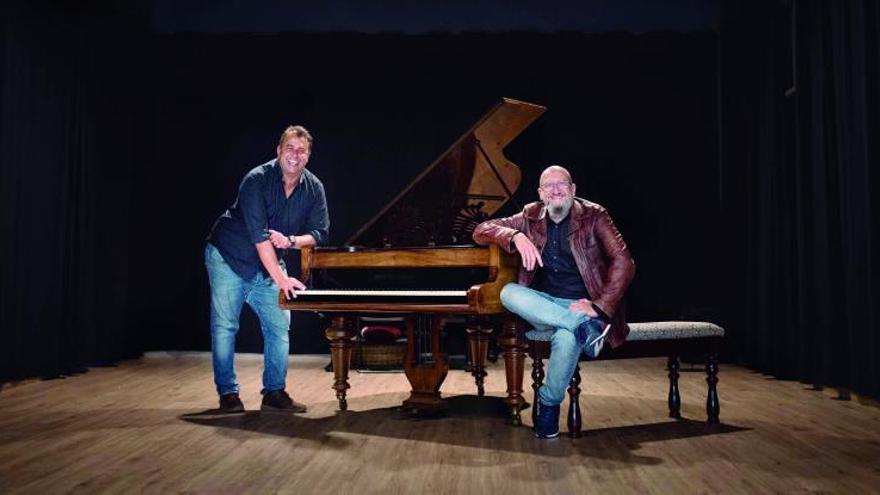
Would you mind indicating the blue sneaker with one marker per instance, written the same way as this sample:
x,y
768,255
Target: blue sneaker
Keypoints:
x,y
595,343
547,421
590,336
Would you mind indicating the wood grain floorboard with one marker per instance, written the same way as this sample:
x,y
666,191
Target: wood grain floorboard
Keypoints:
x,y
148,426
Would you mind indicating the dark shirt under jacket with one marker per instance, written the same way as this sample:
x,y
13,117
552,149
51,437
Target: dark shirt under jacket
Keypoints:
x,y
560,276
261,205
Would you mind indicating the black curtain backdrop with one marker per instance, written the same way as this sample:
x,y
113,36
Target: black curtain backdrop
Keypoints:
x,y
121,147
633,116
800,136
70,133
737,166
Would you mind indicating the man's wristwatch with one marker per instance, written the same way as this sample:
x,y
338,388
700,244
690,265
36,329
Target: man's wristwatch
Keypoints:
x,y
292,239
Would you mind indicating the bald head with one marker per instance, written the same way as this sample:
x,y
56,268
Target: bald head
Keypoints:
x,y
554,170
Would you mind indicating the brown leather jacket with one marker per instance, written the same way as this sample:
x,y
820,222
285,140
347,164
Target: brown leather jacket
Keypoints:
x,y
598,248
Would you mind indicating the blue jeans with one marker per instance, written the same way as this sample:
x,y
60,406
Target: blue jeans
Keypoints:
x,y
548,313
229,292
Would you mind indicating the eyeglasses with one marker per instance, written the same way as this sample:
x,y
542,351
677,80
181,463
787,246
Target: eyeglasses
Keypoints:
x,y
297,151
556,185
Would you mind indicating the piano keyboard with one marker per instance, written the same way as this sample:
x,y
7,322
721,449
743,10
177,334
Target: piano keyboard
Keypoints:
x,y
379,296
382,293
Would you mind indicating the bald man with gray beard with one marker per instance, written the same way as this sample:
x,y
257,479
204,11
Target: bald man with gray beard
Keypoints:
x,y
575,270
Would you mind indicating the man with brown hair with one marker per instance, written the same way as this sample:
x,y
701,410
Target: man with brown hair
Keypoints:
x,y
280,206
575,270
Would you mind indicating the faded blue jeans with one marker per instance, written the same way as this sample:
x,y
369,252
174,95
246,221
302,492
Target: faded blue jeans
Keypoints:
x,y
229,292
551,314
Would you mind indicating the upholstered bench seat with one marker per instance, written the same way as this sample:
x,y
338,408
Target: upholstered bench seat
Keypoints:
x,y
659,330
671,339
654,330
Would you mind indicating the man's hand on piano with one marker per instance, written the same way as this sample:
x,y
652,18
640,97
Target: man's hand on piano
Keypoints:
x,y
527,251
279,240
288,285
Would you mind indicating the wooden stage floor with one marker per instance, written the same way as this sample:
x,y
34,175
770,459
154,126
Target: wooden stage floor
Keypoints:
x,y
147,426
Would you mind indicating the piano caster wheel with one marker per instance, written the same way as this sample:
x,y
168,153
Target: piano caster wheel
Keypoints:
x,y
343,404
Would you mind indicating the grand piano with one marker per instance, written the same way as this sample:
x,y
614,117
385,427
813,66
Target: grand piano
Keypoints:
x,y
415,258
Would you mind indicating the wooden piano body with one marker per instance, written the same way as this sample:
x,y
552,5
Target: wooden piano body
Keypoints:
x,y
414,258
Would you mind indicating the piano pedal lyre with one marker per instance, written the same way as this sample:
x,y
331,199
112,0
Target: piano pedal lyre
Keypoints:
x,y
426,376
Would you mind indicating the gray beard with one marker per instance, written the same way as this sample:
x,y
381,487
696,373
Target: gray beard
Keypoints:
x,y
558,213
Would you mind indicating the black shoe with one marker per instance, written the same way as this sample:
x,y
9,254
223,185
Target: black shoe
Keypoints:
x,y
547,420
279,401
230,403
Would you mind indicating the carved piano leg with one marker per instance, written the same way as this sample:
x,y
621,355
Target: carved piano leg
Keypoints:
x,y
339,334
514,352
478,347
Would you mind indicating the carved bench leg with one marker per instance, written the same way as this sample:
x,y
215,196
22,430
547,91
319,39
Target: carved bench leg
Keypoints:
x,y
674,397
713,407
574,404
537,381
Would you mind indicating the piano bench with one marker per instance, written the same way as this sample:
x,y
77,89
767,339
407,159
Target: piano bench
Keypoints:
x,y
671,339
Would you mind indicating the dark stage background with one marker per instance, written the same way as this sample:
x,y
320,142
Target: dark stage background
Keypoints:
x,y
382,107
123,138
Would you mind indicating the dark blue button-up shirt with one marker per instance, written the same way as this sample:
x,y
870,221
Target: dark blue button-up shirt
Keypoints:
x,y
560,276
261,205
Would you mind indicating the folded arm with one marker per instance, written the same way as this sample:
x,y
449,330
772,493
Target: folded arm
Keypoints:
x,y
507,233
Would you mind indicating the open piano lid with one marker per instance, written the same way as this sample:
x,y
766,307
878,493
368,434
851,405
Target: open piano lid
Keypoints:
x,y
467,184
